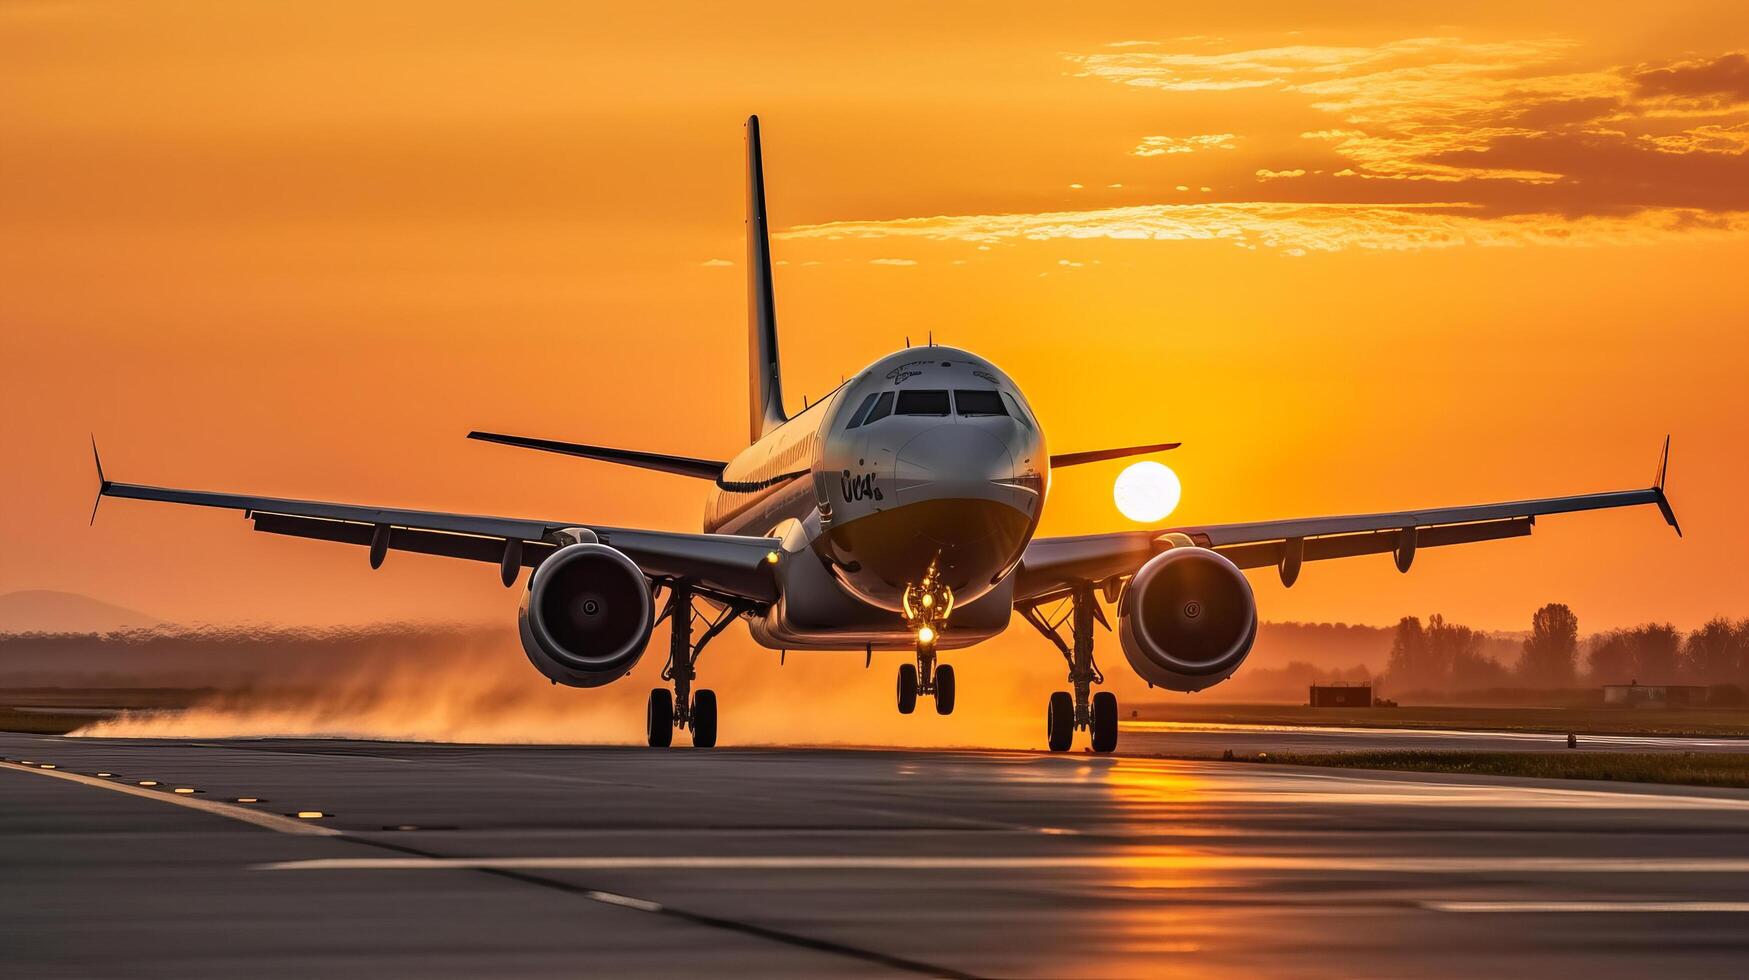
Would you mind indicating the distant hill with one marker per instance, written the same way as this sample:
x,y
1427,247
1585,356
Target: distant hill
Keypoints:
x,y
46,611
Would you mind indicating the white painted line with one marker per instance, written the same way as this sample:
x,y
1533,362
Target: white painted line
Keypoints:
x,y
626,901
1185,861
1587,906
271,821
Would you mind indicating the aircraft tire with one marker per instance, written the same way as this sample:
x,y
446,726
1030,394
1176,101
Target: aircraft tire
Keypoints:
x,y
944,690
907,688
1104,721
659,718
1060,721
704,719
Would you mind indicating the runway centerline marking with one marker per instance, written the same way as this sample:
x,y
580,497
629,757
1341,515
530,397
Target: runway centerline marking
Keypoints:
x,y
1187,861
1604,907
271,821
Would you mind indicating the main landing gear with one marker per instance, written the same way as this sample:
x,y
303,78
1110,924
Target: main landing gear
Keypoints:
x,y
1080,710
927,605
683,707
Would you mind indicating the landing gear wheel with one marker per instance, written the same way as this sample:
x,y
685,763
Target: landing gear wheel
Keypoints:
x,y
1060,721
660,718
704,719
944,690
1104,721
907,688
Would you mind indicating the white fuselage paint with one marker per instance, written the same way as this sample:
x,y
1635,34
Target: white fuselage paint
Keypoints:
x,y
863,510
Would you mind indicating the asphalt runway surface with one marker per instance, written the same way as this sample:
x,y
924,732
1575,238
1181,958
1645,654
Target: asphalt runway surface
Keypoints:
x,y
1200,739
439,860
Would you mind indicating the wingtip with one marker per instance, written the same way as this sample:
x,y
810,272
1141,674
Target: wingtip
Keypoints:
x,y
102,482
1663,499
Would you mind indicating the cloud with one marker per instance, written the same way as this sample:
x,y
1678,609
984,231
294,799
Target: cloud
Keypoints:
x,y
1725,77
1153,146
892,261
1511,125
716,263
1296,228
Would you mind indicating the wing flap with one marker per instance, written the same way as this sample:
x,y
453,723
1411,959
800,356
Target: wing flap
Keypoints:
x,y
1263,554
1051,565
735,566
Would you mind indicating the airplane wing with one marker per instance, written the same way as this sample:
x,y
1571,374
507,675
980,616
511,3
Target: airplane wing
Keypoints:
x,y
727,566
1052,565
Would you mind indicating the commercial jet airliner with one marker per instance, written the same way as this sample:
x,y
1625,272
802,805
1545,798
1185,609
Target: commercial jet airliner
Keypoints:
x,y
896,513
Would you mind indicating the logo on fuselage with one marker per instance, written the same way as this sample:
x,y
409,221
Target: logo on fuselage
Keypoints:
x,y
861,487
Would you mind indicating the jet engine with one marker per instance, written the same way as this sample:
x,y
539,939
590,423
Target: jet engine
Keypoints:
x,y
586,616
1187,619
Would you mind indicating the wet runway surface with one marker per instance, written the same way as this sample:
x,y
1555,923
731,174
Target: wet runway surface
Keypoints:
x,y
445,860
1199,739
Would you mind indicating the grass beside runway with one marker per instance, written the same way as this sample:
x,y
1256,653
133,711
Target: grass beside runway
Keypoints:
x,y
1699,722
1676,768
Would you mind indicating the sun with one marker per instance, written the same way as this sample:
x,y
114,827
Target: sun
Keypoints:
x,y
1146,492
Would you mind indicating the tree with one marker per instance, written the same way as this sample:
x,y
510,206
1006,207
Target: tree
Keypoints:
x,y
1408,664
1551,653
1715,654
1611,658
1655,647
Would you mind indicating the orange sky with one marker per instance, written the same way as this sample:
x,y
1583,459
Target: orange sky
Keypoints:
x,y
1368,259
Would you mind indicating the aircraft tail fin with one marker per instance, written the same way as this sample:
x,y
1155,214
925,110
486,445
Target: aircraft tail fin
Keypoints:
x,y
765,379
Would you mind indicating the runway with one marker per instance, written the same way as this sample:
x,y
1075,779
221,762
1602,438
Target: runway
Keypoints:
x,y
1169,738
516,861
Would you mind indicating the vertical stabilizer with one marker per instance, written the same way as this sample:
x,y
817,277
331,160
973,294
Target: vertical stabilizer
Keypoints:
x,y
765,381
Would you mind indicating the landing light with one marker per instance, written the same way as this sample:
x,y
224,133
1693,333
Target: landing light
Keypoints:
x,y
771,556
310,814
925,635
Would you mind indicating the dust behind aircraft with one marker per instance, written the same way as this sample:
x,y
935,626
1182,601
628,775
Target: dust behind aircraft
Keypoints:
x,y
897,512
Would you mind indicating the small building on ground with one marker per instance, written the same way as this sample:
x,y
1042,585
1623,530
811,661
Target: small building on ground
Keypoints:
x,y
1637,695
1341,695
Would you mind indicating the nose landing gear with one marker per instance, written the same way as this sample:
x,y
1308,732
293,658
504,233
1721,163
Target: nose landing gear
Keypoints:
x,y
927,605
926,678
1069,712
684,708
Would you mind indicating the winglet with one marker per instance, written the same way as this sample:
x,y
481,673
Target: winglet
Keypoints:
x,y
102,483
1658,488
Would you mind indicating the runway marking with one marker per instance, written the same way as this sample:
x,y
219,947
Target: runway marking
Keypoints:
x,y
271,821
1187,861
1586,906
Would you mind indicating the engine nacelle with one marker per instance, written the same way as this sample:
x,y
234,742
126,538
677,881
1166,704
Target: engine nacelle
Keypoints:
x,y
586,616
1187,619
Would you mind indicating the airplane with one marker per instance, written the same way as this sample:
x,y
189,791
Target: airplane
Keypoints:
x,y
896,513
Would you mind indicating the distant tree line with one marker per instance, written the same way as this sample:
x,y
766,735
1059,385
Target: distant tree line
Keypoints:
x,y
1442,656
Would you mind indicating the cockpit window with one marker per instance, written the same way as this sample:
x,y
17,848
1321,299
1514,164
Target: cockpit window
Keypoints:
x,y
861,410
1018,412
973,402
923,401
883,407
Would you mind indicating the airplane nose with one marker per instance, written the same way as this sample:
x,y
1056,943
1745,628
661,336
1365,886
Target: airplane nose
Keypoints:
x,y
947,455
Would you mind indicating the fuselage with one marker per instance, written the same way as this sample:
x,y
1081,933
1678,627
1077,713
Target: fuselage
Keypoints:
x,y
928,458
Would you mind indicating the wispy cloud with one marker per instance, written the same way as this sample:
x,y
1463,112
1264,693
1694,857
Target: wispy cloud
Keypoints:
x,y
892,261
1294,228
1153,146
1511,120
